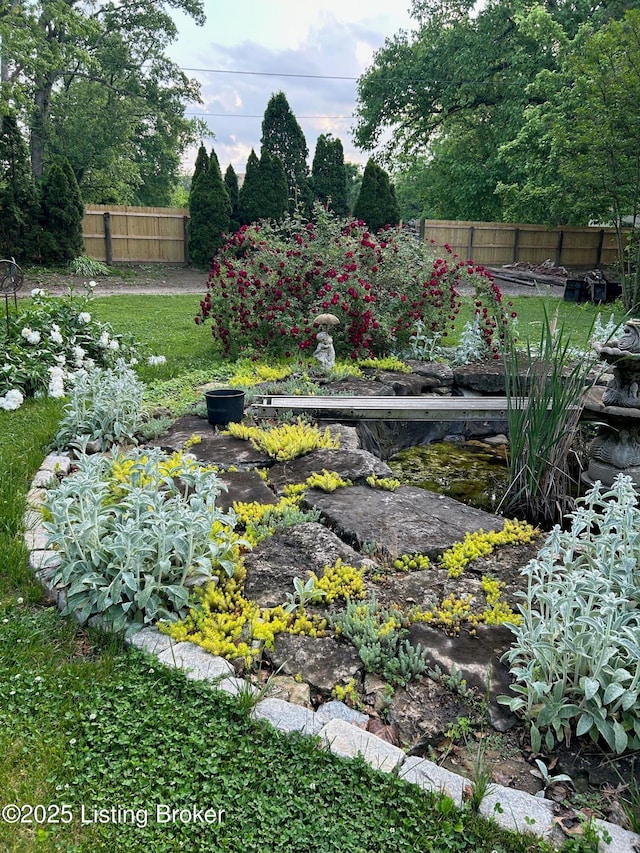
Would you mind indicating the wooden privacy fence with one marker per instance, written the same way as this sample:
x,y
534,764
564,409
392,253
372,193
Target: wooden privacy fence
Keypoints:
x,y
122,234
494,244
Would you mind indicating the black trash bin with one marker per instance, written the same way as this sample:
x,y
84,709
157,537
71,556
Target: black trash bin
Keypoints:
x,y
576,290
224,405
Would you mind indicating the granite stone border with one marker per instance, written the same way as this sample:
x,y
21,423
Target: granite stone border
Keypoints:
x,y
338,728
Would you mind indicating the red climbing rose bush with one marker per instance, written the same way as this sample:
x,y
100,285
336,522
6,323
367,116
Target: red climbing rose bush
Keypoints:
x,y
271,280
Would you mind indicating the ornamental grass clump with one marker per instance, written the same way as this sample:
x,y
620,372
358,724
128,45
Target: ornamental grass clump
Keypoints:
x,y
576,655
544,385
271,280
135,532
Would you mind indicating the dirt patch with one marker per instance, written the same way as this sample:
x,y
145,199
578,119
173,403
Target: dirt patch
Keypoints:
x,y
174,280
144,279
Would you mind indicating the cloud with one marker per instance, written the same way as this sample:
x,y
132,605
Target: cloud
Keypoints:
x,y
329,44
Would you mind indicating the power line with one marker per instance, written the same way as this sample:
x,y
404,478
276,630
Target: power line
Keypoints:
x,y
268,74
247,115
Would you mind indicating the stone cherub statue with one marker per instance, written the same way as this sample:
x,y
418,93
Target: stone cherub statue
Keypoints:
x,y
324,352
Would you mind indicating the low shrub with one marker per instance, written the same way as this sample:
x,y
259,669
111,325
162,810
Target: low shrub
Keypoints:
x,y
270,280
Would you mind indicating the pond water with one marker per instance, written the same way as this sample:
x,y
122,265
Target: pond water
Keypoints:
x,y
472,472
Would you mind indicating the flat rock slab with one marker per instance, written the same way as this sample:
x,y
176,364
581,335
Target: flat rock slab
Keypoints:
x,y
289,553
403,384
441,373
359,388
477,659
424,710
214,448
406,521
423,588
354,465
487,377
244,487
321,662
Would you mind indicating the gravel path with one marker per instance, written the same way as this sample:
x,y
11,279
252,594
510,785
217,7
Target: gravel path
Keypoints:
x,y
157,280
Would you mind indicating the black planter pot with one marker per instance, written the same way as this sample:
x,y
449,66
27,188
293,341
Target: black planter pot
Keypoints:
x,y
224,405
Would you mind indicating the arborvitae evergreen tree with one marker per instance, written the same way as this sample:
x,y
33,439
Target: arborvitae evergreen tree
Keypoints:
x,y
249,203
210,212
201,165
377,204
18,196
329,176
273,184
231,183
76,196
61,212
282,137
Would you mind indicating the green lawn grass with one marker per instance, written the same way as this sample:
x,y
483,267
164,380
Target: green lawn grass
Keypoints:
x,y
86,721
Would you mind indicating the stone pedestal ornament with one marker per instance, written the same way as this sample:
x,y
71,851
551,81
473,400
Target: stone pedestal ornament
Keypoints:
x,y
616,448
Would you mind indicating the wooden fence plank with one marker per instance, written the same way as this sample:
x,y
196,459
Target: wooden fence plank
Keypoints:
x,y
160,235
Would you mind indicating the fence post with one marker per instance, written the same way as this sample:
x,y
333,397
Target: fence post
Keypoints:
x,y
559,248
470,243
516,244
108,247
185,237
600,245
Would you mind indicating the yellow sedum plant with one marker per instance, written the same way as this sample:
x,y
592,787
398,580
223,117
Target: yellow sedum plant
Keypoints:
x,y
481,544
389,484
327,481
411,563
389,362
251,374
227,624
341,581
286,442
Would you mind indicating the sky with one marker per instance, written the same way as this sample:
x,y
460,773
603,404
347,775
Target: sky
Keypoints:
x,y
318,38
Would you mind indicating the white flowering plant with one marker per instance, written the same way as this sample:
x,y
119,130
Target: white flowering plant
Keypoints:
x,y
48,341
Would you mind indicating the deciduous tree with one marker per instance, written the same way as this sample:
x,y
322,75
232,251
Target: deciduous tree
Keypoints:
x,y
93,81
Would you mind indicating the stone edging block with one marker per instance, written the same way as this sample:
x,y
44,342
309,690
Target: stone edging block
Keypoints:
x,y
349,741
337,725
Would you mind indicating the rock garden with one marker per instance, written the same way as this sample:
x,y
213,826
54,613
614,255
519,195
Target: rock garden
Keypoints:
x,y
293,554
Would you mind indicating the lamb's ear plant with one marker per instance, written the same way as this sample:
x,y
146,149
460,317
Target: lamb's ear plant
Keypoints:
x,y
105,405
576,654
135,532
544,386
304,593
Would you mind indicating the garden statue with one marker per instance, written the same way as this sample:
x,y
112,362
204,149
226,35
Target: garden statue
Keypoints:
x,y
616,448
324,351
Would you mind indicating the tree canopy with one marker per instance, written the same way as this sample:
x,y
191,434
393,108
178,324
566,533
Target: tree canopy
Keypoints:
x,y
454,95
92,82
